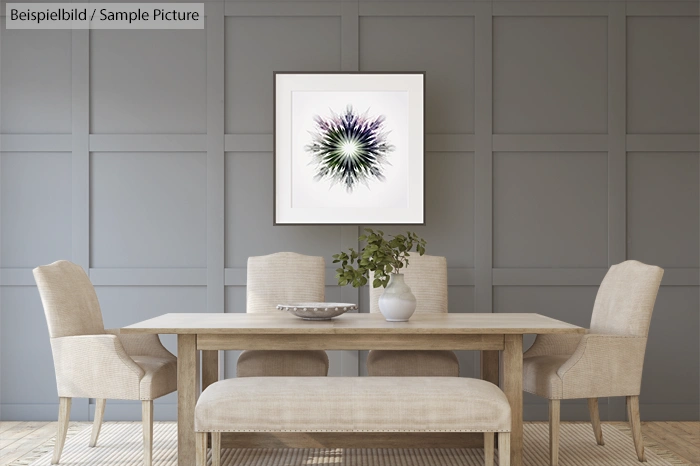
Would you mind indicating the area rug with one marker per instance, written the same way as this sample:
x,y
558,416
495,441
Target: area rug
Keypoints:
x,y
120,444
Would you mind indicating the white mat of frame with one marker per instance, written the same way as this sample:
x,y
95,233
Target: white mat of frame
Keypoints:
x,y
120,444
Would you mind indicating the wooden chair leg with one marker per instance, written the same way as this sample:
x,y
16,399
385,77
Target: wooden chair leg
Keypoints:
x,y
504,449
595,420
636,424
97,423
216,449
554,416
201,449
63,420
147,420
488,448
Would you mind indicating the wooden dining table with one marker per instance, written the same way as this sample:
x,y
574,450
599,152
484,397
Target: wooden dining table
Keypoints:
x,y
498,336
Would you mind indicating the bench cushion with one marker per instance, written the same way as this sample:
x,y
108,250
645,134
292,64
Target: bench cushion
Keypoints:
x,y
352,404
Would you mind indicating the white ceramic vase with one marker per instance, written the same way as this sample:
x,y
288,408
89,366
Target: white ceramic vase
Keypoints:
x,y
397,303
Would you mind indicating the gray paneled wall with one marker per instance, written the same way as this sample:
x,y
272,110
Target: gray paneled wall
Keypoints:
x,y
562,137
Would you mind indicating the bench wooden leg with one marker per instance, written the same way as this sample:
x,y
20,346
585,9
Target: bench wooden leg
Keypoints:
x,y
201,448
216,449
488,448
504,449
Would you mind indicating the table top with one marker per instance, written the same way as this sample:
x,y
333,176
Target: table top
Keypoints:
x,y
279,322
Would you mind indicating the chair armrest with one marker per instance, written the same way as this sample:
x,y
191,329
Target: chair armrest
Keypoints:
x,y
603,366
95,366
142,345
554,345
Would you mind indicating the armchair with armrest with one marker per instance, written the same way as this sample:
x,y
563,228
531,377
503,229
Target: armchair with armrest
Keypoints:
x,y
605,362
91,362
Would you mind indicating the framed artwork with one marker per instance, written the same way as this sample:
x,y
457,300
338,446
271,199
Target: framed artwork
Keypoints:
x,y
349,148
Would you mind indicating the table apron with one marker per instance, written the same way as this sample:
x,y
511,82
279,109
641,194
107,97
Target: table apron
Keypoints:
x,y
270,341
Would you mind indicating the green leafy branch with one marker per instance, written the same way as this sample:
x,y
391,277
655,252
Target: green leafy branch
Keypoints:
x,y
381,255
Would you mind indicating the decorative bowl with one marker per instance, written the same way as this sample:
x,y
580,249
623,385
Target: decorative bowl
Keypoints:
x,y
317,311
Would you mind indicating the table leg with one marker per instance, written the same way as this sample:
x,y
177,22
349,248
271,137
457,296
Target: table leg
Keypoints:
x,y
490,366
513,388
210,368
187,391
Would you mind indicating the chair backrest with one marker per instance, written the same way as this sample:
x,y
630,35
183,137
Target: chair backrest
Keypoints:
x,y
625,299
427,278
282,278
69,299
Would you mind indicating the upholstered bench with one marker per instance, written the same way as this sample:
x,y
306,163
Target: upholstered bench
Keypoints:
x,y
353,404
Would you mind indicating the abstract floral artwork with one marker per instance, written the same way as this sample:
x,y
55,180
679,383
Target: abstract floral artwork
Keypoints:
x,y
349,148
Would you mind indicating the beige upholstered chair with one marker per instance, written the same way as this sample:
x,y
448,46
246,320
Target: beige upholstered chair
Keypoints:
x,y
605,362
427,277
281,278
92,362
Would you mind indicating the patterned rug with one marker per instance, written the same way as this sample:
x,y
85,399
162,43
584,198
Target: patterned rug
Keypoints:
x,y
120,444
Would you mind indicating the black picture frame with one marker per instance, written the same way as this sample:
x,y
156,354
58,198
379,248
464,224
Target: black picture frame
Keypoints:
x,y
274,143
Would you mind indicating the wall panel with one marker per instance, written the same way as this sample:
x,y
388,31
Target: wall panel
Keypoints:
x,y
36,208
662,69
35,81
155,88
549,75
657,234
449,204
561,139
421,44
135,225
550,209
249,229
258,46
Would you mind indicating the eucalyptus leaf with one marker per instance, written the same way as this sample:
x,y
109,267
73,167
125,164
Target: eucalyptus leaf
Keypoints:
x,y
382,255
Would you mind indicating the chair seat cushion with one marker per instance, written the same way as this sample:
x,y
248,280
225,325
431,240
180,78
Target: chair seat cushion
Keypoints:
x,y
264,363
352,404
160,377
412,363
540,376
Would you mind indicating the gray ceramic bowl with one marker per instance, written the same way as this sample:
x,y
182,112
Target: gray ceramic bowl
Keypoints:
x,y
317,311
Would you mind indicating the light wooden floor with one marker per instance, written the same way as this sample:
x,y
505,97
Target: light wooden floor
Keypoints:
x,y
682,438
